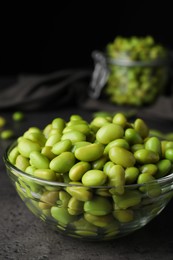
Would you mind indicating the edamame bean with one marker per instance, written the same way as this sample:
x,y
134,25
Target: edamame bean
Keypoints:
x,y
149,168
61,146
53,139
116,178
84,228
47,151
151,187
58,123
109,132
22,162
74,136
46,174
120,119
129,199
7,134
38,160
107,167
133,137
63,162
13,155
80,193
26,146
18,116
75,207
62,215
36,137
120,142
169,154
154,144
77,171
99,163
121,156
145,156
98,206
99,221
48,199
83,128
131,174
89,152
124,215
141,127
94,178
64,198
164,167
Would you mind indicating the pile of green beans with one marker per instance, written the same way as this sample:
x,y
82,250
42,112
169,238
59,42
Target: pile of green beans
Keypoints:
x,y
138,70
6,132
95,180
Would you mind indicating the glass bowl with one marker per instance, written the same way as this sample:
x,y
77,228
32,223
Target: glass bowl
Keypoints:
x,y
91,213
131,71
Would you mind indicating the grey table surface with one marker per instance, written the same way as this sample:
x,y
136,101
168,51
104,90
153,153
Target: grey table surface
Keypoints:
x,y
25,237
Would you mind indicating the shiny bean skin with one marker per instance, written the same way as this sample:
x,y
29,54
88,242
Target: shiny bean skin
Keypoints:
x,y
117,155
26,146
109,132
38,160
77,171
89,152
98,206
94,178
63,162
145,156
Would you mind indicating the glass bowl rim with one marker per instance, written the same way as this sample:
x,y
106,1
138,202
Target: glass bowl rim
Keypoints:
x,y
127,62
164,180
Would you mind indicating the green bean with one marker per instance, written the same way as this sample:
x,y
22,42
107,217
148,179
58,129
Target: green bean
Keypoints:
x,y
116,178
89,152
129,199
26,146
46,174
145,156
63,162
48,199
131,174
98,206
75,207
124,215
7,134
117,155
94,178
62,215
61,146
38,160
77,171
80,193
109,132
120,119
22,162
18,116
99,221
74,136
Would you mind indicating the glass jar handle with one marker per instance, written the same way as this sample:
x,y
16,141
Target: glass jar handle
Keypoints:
x,y
99,75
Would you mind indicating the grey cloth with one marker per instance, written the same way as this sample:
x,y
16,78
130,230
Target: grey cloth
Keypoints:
x,y
29,92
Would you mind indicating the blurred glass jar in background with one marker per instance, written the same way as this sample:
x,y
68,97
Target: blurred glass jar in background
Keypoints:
x,y
132,71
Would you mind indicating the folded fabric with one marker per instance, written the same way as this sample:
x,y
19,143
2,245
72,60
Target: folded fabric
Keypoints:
x,y
29,92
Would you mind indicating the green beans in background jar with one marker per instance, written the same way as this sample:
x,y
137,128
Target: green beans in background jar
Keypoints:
x,y
95,189
136,69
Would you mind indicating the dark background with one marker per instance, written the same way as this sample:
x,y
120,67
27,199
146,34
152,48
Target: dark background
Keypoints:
x,y
49,38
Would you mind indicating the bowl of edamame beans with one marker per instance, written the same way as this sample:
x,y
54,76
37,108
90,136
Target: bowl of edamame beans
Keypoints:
x,y
97,180
131,71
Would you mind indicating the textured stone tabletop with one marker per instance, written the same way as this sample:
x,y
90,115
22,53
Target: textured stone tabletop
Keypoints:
x,y
25,237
